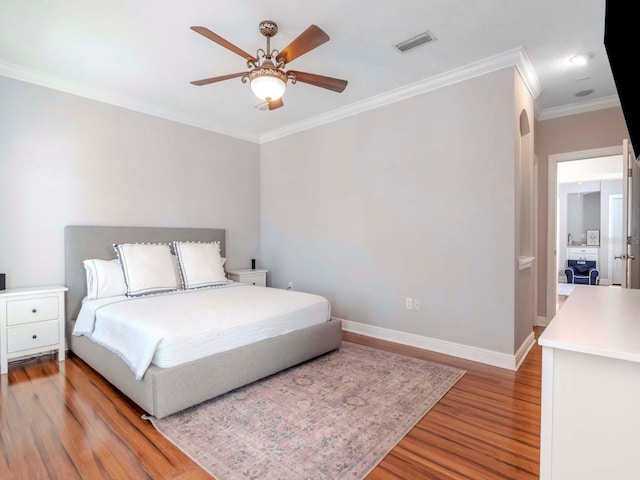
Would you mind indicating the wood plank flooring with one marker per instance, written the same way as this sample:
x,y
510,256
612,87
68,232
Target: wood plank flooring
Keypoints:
x,y
63,421
486,427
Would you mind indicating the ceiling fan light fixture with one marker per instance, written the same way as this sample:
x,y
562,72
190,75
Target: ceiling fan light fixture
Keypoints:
x,y
268,83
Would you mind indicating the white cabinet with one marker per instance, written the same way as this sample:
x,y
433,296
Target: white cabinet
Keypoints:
x,y
582,253
31,322
590,425
252,277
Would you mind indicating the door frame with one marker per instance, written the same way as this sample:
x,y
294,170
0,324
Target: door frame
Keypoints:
x,y
622,219
552,215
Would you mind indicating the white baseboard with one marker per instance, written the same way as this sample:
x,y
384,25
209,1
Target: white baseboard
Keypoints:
x,y
524,349
540,322
468,352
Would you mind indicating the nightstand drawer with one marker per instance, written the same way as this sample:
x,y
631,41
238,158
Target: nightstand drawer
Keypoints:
x,y
32,310
258,279
32,335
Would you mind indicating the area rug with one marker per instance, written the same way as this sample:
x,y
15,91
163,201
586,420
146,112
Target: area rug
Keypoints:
x,y
334,417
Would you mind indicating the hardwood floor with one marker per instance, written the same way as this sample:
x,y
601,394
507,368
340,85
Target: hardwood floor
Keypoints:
x,y
63,421
486,427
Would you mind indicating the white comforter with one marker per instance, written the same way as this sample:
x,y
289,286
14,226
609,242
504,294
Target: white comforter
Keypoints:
x,y
178,327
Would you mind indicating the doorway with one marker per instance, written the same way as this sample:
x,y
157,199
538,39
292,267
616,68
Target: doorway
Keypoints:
x,y
559,241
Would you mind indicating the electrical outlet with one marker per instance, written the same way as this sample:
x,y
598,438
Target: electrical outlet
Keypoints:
x,y
408,303
290,287
416,304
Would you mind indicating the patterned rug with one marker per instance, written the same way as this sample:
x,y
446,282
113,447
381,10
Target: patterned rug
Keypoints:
x,y
334,417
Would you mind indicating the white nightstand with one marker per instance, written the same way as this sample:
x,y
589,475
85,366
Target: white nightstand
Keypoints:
x,y
31,321
252,277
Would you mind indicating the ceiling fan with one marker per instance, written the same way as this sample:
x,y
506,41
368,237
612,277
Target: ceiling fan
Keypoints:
x,y
267,75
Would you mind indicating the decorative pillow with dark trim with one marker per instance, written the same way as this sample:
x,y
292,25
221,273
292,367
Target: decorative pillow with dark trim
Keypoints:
x,y
147,267
200,264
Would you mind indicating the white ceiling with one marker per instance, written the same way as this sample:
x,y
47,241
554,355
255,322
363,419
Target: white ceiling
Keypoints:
x,y
141,54
591,169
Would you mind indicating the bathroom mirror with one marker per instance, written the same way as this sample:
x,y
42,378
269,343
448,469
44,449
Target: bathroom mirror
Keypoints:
x,y
583,213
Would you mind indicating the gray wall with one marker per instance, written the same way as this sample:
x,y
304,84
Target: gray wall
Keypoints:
x,y
68,160
414,199
591,211
524,310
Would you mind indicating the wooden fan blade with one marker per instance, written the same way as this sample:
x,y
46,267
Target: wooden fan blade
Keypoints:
x,y
329,83
224,43
207,81
273,104
311,38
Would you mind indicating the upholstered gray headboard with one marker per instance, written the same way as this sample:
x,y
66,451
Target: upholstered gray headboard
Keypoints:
x,y
82,242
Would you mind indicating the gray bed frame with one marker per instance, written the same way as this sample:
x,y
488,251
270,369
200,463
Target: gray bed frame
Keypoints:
x,y
163,391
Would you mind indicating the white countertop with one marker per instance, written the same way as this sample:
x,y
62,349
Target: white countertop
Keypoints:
x,y
597,320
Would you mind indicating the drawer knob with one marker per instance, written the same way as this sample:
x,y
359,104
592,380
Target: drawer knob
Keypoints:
x,y
254,283
33,310
34,336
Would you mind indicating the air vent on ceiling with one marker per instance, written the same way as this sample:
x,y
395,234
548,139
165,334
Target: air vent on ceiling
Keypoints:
x,y
416,41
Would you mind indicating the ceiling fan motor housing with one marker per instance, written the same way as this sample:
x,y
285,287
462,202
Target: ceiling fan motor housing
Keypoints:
x,y
268,28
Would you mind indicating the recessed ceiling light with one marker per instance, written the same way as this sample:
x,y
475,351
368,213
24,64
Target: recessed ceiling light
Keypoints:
x,y
584,93
582,58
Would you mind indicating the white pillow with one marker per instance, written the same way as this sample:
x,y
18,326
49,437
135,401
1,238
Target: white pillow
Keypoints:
x,y
147,267
176,270
104,278
200,264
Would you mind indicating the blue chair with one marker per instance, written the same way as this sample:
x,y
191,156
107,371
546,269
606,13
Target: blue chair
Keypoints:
x,y
582,271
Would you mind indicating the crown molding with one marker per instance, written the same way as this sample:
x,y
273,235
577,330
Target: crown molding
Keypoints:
x,y
510,58
528,74
82,90
517,58
582,107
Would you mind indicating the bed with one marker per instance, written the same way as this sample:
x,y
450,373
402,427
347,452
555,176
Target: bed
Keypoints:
x,y
161,391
